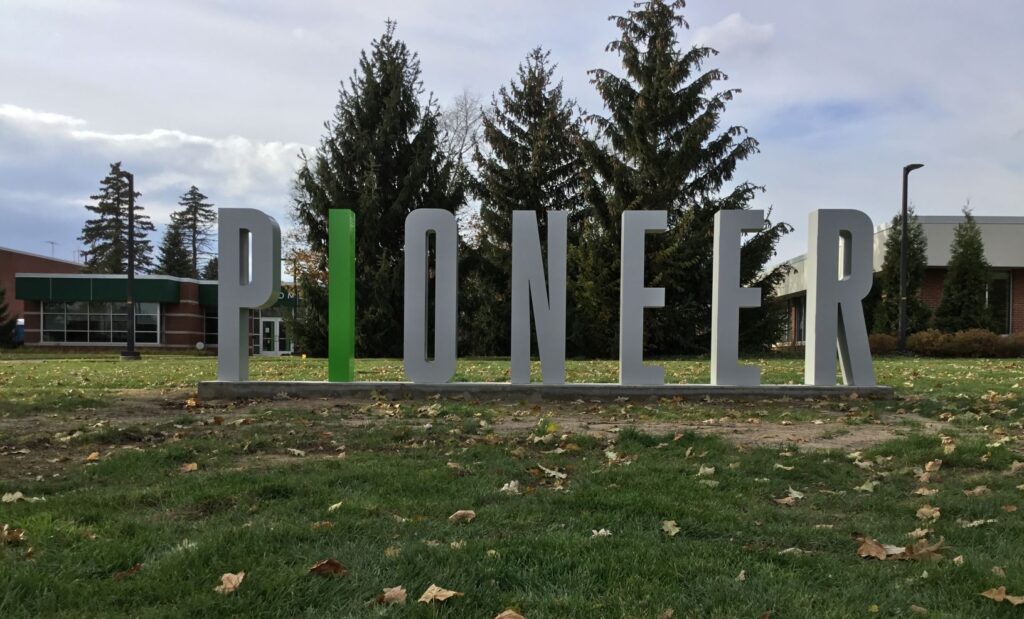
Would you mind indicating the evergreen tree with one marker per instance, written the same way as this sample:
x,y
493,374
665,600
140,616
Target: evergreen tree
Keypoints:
x,y
887,311
174,259
210,269
963,304
380,158
532,162
660,148
7,323
196,220
107,235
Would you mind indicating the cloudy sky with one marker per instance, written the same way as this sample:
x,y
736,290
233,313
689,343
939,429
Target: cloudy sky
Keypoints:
x,y
225,93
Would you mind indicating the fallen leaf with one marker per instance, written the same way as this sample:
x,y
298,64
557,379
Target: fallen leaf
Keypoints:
x,y
93,457
948,445
329,567
128,572
437,594
190,467
298,453
600,533
925,491
704,471
742,576
918,610
977,491
1009,509
872,548
783,467
229,583
792,496
998,594
670,527
511,487
463,515
868,486
973,524
668,613
933,466
998,571
323,524
958,560
919,533
927,512
1016,466
14,497
508,614
392,551
392,595
552,472
11,536
335,507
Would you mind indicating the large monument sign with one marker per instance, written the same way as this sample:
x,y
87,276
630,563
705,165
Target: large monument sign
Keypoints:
x,y
839,272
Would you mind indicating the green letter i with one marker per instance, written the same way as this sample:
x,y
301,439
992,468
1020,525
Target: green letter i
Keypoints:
x,y
341,296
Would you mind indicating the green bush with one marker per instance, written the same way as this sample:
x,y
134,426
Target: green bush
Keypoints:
x,y
882,343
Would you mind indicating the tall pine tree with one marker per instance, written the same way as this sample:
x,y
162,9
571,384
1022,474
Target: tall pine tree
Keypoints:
x,y
174,256
106,236
887,311
660,148
532,162
7,323
964,293
381,159
210,269
196,221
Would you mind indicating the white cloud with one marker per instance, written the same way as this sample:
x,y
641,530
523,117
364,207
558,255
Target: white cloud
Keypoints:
x,y
734,33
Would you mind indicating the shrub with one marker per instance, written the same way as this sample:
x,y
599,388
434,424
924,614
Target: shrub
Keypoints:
x,y
972,343
882,343
930,342
1010,346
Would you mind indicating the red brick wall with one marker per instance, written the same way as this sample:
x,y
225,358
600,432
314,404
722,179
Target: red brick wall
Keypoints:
x,y
12,262
931,288
183,321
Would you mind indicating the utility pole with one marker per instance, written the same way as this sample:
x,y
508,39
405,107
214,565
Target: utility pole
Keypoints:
x,y
129,353
904,256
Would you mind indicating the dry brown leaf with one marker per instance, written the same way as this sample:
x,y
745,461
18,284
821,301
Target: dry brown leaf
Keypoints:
x,y
783,467
93,457
872,548
919,533
334,507
933,466
923,551
229,583
600,533
925,491
670,527
958,560
1009,509
927,512
868,486
298,453
918,610
1016,466
392,551
392,595
705,471
668,613
998,571
437,594
11,536
977,491
189,467
323,524
463,515
998,594
329,567
128,572
508,614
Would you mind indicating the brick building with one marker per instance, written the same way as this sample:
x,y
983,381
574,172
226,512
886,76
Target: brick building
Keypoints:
x,y
1004,250
13,261
81,310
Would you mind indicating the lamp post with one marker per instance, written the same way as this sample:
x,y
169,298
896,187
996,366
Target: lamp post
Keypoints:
x,y
904,251
129,353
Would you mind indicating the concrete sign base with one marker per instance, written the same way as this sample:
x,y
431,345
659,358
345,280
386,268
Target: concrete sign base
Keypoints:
x,y
607,392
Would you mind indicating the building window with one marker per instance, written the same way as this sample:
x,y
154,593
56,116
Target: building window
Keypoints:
x,y
210,326
998,298
99,322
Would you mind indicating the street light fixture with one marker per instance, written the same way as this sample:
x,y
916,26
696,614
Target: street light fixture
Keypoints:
x,y
904,255
129,353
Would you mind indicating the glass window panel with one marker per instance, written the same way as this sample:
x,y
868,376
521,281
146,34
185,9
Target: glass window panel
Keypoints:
x,y
119,307
54,322
999,301
78,307
78,322
99,322
99,336
145,323
99,307
50,307
147,308
145,337
119,336
78,336
119,323
53,336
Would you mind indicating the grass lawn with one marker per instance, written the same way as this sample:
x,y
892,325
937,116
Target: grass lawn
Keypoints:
x,y
280,485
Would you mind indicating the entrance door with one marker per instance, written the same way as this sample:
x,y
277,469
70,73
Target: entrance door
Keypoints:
x,y
273,337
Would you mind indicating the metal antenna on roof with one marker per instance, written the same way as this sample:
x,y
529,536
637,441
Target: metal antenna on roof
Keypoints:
x,y
53,245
